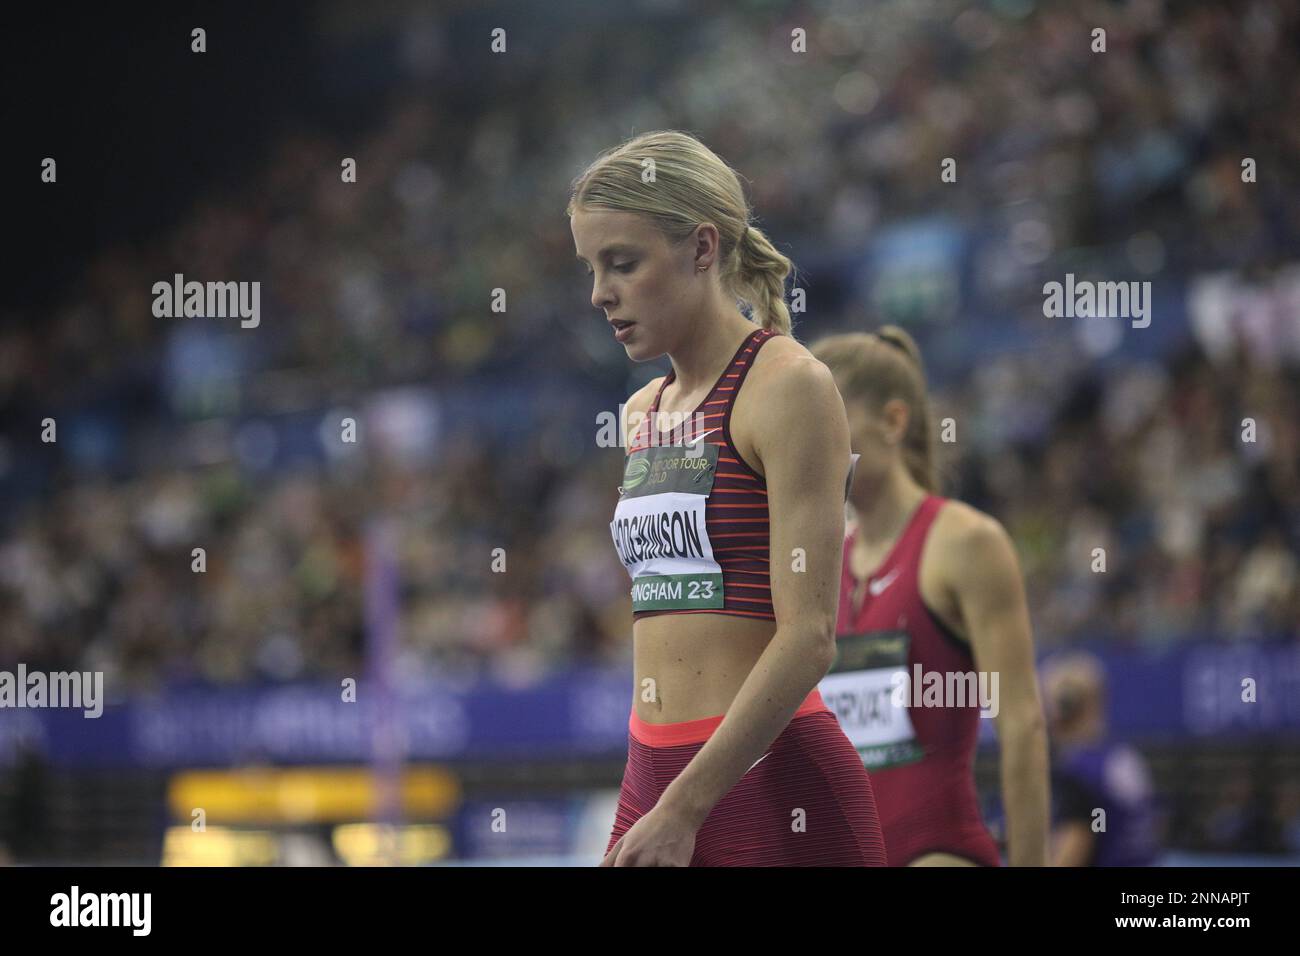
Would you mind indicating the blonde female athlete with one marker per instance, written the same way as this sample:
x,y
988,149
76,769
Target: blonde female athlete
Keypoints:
x,y
730,526
930,586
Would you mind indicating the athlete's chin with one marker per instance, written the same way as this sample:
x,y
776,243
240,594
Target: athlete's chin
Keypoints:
x,y
638,350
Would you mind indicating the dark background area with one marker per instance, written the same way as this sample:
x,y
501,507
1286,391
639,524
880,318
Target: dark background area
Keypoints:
x,y
137,123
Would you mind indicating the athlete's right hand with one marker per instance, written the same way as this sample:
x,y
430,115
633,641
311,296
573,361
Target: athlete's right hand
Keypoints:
x,y
660,838
612,855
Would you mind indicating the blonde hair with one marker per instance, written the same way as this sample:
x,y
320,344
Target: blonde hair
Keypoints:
x,y
873,367
692,185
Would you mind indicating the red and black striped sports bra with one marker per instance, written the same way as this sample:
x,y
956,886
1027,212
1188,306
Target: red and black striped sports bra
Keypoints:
x,y
691,525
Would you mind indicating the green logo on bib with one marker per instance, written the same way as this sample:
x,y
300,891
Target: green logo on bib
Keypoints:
x,y
638,470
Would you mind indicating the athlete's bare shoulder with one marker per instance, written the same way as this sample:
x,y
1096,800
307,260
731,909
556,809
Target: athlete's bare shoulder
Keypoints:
x,y
777,354
957,520
636,407
786,388
782,368
962,534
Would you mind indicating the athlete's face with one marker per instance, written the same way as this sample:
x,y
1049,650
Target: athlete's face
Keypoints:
x,y
876,435
637,278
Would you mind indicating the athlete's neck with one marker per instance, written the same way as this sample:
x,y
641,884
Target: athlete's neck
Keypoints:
x,y
702,355
883,512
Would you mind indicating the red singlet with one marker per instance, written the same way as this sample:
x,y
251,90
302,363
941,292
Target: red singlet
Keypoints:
x,y
920,758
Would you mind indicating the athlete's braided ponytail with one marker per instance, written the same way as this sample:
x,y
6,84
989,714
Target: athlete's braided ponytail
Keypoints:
x,y
760,280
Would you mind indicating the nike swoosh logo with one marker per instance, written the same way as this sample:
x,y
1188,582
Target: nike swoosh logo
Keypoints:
x,y
699,438
758,761
878,587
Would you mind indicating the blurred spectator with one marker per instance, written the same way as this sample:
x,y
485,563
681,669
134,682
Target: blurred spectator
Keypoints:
x,y
1103,799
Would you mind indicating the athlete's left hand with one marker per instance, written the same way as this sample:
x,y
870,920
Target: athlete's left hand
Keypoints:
x,y
660,838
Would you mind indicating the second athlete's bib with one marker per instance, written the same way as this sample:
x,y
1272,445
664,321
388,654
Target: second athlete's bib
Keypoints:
x,y
864,688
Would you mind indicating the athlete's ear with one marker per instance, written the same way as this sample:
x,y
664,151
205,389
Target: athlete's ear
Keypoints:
x,y
704,246
853,466
896,416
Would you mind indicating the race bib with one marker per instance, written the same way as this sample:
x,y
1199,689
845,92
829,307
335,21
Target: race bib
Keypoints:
x,y
659,528
867,688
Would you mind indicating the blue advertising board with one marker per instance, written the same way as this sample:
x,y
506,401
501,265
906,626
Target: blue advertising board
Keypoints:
x,y
1187,691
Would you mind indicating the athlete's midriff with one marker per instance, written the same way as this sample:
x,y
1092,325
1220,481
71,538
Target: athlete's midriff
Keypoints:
x,y
698,663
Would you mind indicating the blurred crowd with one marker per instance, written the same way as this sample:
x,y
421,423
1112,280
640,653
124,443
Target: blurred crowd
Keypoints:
x,y
174,436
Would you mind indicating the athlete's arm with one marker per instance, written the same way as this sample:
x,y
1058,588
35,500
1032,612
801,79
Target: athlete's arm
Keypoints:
x,y
985,576
801,438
